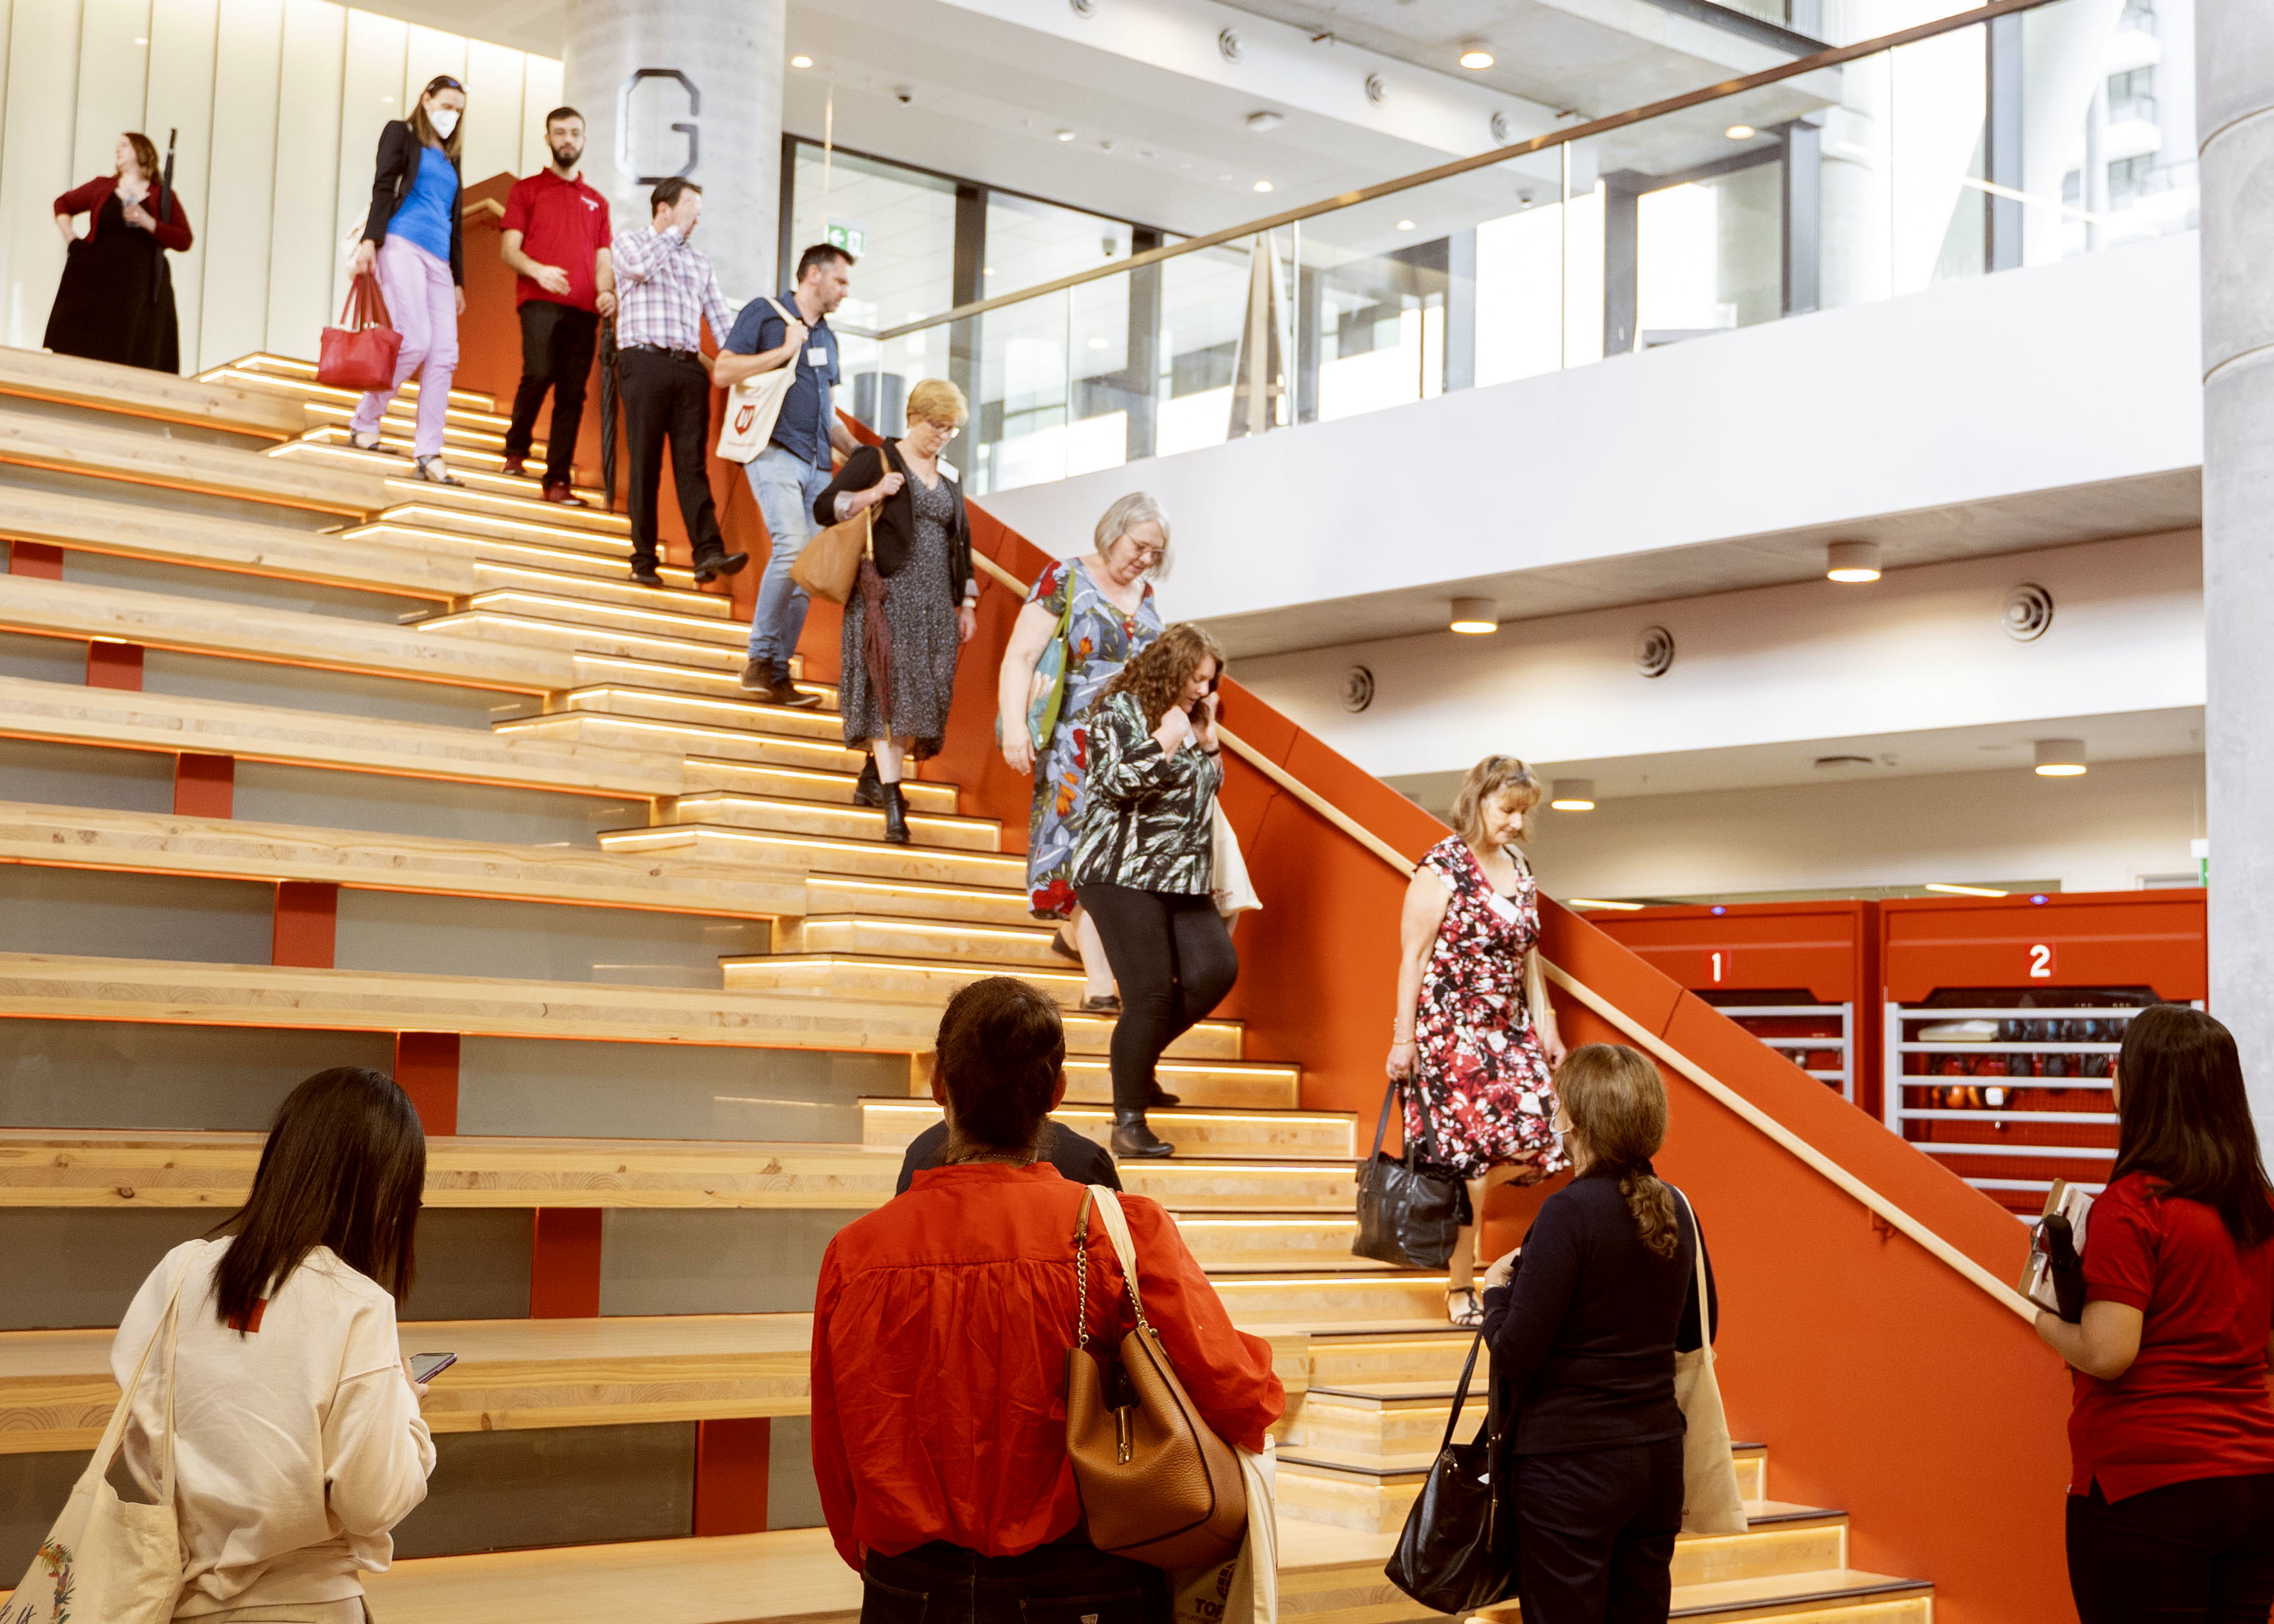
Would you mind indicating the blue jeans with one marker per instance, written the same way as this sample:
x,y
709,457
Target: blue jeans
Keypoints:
x,y
787,487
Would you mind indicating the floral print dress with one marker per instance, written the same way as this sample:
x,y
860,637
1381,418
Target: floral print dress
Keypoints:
x,y
1101,639
1479,1070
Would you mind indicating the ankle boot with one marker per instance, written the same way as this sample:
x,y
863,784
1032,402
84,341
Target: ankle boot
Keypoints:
x,y
1133,1138
1157,1097
870,792
896,814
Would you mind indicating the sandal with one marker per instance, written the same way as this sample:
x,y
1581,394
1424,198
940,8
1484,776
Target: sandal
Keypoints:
x,y
1469,1315
376,444
427,467
1063,948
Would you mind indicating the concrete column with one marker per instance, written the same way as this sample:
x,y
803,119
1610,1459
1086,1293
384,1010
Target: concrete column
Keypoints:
x,y
2235,78
692,87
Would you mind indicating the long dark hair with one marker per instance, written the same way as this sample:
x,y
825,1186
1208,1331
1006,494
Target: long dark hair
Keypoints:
x,y
2183,1118
343,1168
1000,1050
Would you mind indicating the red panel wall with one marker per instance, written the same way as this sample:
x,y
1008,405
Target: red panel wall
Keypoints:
x,y
2151,938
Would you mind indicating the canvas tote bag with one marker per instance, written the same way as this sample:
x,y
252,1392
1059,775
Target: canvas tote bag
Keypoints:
x,y
1710,1503
109,1560
754,406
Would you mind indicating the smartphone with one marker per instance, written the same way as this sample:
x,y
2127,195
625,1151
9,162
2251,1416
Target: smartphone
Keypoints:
x,y
1199,713
426,1366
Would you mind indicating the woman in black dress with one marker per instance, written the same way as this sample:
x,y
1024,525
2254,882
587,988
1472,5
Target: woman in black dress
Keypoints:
x,y
115,302
916,605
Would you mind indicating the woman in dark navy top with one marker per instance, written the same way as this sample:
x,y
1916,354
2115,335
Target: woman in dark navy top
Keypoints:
x,y
1586,1332
2170,1506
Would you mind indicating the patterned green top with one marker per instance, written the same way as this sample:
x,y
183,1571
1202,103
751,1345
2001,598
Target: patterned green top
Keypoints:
x,y
1149,821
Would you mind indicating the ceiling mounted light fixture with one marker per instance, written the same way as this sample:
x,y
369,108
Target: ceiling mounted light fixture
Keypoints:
x,y
1474,616
1406,225
1265,119
1476,57
1603,902
801,62
1572,795
2061,758
1066,135
1741,133
1852,560
1965,891
1264,185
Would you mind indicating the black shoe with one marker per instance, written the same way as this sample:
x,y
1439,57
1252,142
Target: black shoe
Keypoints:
x,y
1133,1138
896,814
784,692
1157,1098
711,566
870,792
643,573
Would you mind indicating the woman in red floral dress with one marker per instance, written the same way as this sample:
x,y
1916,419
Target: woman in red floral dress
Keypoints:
x,y
1478,1062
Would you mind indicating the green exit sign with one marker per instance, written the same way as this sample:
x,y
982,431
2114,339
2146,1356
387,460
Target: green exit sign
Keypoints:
x,y
852,239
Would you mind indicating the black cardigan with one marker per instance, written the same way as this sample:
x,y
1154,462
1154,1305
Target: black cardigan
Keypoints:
x,y
1587,1330
896,519
398,166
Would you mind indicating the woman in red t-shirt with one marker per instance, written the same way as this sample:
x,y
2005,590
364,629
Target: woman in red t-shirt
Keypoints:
x,y
2171,1508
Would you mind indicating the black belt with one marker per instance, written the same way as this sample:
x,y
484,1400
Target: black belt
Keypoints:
x,y
666,350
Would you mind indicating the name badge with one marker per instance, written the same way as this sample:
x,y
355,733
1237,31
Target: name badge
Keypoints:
x,y
816,355
1500,906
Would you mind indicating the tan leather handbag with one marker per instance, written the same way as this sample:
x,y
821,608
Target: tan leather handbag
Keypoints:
x,y
829,566
1156,1485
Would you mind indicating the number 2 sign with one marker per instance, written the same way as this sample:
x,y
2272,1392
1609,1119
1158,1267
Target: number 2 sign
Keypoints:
x,y
2041,961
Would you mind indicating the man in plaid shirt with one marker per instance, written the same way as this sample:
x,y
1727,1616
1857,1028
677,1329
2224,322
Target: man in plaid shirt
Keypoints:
x,y
664,289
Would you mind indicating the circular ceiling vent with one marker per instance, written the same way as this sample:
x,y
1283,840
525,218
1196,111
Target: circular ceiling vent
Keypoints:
x,y
2029,611
1653,652
1227,45
1377,89
1083,8
1844,763
1357,688
1502,131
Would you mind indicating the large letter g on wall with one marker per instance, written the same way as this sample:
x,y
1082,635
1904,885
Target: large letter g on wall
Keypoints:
x,y
634,157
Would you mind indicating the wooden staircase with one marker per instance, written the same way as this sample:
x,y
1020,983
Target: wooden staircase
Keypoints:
x,y
749,814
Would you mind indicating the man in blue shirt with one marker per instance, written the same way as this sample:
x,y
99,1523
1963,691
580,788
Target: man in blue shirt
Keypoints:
x,y
791,472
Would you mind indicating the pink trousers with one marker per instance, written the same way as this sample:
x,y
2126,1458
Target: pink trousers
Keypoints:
x,y
423,302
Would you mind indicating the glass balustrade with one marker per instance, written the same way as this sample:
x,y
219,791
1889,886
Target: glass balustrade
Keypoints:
x,y
2051,132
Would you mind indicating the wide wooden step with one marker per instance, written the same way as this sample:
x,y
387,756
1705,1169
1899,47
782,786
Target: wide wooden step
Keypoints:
x,y
515,541
1199,1185
722,708
915,981
135,392
148,530
296,377
117,1168
1232,1085
977,905
57,1391
821,751
136,457
655,677
1306,1136
731,809
493,575
241,849
577,636
1272,1242
70,713
275,636
668,622
442,507
464,432
765,782
992,946
475,455
1391,1303
821,855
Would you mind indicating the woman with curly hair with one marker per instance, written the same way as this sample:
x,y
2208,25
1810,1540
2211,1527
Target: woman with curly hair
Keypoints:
x,y
1146,859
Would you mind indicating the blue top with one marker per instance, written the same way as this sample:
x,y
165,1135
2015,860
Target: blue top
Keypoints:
x,y
802,429
423,215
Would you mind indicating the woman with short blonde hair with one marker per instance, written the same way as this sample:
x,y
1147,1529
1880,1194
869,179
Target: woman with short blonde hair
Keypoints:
x,y
918,601
1473,1040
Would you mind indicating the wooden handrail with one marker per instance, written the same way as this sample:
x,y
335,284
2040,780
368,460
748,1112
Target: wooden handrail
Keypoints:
x,y
1880,1206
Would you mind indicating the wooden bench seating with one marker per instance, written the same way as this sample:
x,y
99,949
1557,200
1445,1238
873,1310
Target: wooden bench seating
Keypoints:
x,y
228,848
141,530
279,637
140,457
137,392
71,714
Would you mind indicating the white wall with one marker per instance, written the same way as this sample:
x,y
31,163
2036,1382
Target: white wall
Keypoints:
x,y
2105,831
279,103
2033,380
1919,649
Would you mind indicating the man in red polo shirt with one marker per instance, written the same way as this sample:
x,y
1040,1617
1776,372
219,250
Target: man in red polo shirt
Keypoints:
x,y
556,240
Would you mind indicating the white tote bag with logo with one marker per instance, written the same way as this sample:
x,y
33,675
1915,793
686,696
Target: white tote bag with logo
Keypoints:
x,y
754,405
110,1559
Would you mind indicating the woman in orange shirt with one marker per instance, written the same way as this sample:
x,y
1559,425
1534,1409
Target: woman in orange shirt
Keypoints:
x,y
940,1331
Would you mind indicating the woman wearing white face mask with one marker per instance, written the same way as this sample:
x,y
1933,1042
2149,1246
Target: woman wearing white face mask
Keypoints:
x,y
412,237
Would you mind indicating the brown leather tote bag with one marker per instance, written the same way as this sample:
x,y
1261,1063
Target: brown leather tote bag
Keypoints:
x,y
1157,1484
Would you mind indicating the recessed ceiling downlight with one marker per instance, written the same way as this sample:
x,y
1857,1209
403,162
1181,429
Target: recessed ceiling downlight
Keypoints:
x,y
1852,560
1572,795
2061,758
1474,616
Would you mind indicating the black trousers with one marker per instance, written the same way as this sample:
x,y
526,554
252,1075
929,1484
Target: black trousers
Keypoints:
x,y
2200,1553
1174,961
1062,1584
556,353
667,397
1595,1534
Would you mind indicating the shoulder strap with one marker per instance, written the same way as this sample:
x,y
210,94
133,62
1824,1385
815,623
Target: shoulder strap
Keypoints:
x,y
1705,1297
1116,1223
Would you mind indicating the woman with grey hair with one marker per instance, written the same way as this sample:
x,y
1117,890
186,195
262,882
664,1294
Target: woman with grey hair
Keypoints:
x,y
1100,608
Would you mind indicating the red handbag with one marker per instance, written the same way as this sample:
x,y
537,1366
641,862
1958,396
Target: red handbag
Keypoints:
x,y
359,353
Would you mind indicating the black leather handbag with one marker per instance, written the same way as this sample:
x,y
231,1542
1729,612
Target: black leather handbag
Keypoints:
x,y
1408,1209
1458,1550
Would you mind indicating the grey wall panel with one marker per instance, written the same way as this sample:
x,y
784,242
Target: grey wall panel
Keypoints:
x,y
344,693
473,1264
228,586
313,796
112,915
465,935
33,1489
116,1074
508,1086
42,659
554,1486
792,1498
85,775
743,1262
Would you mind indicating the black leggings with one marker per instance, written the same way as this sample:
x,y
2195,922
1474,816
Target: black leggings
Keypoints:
x,y
2197,1553
1174,961
1062,1584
